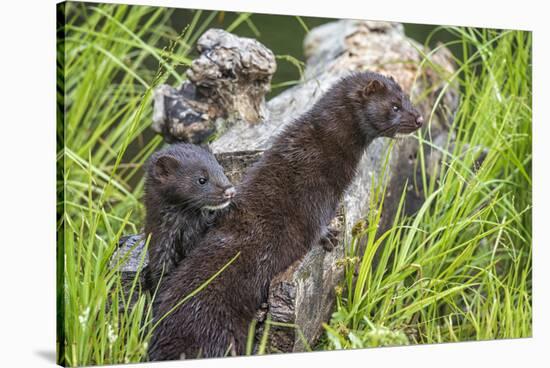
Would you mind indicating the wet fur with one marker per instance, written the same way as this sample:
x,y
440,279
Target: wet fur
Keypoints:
x,y
174,203
282,209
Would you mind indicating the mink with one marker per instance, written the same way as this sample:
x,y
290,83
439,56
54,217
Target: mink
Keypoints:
x,y
185,190
284,205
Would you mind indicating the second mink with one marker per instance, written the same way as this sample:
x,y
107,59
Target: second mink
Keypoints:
x,y
185,190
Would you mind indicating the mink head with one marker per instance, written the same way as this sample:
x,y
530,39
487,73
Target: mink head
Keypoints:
x,y
381,106
189,176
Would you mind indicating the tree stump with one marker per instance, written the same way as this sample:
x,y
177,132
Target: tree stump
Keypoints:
x,y
303,295
227,82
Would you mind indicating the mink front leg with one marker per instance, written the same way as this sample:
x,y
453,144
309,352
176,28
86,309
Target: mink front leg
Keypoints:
x,y
329,234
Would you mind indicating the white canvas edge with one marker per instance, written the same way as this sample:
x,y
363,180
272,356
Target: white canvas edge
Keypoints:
x,y
27,185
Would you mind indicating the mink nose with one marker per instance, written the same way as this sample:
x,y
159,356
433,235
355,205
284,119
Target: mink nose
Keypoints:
x,y
419,121
229,193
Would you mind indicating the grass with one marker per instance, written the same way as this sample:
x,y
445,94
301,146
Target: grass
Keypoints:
x,y
107,98
459,270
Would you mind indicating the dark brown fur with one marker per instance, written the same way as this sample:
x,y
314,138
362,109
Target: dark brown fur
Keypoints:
x,y
179,208
284,204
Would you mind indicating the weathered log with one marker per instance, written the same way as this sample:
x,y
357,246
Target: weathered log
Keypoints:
x,y
303,295
227,82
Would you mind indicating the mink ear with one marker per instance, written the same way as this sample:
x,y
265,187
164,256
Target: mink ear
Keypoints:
x,y
165,167
373,86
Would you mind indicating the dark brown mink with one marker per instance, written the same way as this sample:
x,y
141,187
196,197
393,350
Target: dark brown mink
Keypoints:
x,y
284,204
185,190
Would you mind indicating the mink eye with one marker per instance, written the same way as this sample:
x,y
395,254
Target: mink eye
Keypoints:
x,y
202,181
395,108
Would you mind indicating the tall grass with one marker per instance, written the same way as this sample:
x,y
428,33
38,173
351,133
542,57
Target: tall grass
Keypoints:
x,y
111,58
460,268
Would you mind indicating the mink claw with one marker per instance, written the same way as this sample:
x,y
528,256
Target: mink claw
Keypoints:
x,y
329,240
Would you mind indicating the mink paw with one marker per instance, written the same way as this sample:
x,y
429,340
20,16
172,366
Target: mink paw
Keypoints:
x,y
329,240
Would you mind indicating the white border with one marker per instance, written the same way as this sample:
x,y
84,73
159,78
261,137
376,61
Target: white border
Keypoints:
x,y
27,192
